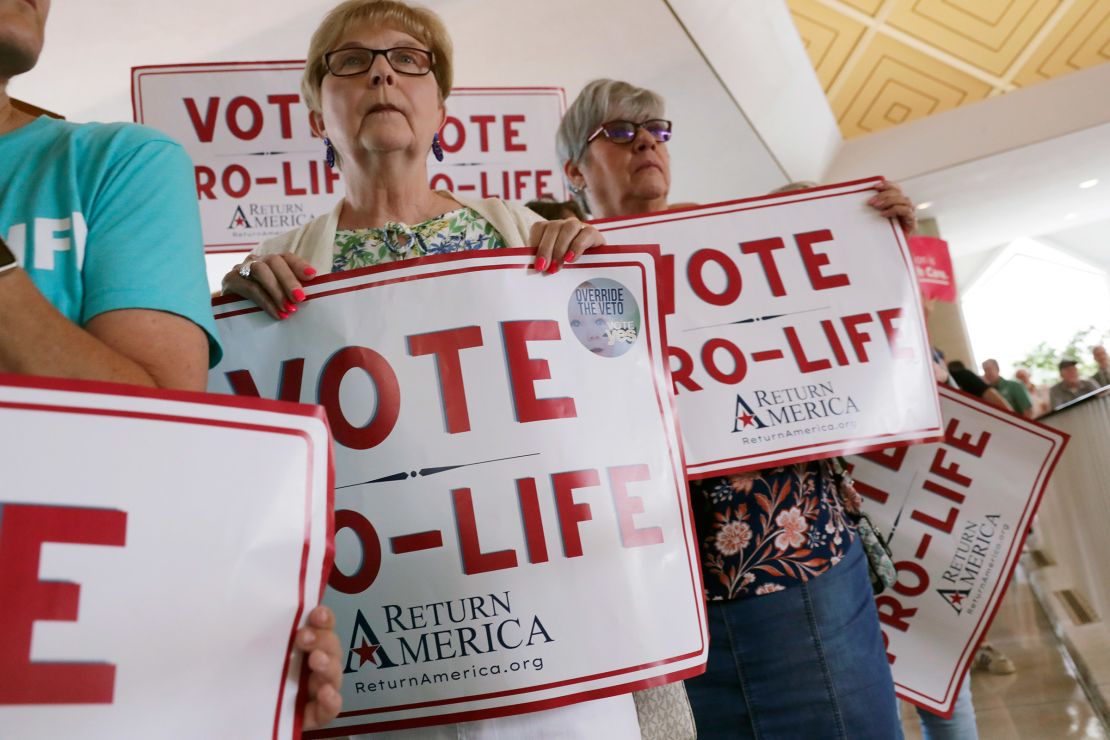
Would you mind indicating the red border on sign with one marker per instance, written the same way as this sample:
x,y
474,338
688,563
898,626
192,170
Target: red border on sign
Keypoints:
x,y
832,448
1057,441
295,409
654,344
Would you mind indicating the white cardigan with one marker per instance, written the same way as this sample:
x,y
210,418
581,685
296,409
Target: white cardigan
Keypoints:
x,y
315,241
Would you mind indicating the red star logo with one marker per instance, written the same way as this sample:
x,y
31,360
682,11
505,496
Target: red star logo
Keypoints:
x,y
748,419
239,222
367,652
957,599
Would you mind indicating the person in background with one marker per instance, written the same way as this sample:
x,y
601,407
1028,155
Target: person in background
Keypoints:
x,y
377,76
1037,393
969,382
1014,392
1071,386
780,599
102,273
553,210
1102,360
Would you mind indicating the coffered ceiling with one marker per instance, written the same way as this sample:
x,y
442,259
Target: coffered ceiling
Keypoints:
x,y
886,62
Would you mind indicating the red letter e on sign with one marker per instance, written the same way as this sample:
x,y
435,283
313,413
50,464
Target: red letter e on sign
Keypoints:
x,y
24,598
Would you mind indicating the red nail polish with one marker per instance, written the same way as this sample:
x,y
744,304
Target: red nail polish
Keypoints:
x,y
310,271
570,257
289,306
554,268
298,294
541,264
282,315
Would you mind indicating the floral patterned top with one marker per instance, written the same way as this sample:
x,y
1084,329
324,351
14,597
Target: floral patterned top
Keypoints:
x,y
766,530
452,232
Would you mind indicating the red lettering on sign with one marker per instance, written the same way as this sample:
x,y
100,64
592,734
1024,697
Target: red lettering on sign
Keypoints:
x,y
289,385
856,337
524,371
474,560
542,190
951,472
963,442
483,122
287,180
629,506
814,261
681,374
388,406
805,365
244,181
918,572
254,128
533,521
834,342
931,521
446,345
571,514
206,181
284,104
371,547
456,125
891,458
709,361
893,614
23,530
205,127
765,248
870,491
887,317
511,134
733,282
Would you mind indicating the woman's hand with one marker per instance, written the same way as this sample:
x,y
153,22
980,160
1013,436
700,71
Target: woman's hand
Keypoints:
x,y
273,282
321,644
561,241
891,202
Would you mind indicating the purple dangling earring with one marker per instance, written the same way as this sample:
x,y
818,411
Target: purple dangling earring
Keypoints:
x,y
329,153
437,150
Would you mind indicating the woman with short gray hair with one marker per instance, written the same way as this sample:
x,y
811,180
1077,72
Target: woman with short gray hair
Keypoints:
x,y
795,648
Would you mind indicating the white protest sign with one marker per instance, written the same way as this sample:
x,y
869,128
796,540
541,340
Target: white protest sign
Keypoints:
x,y
260,170
158,552
957,513
513,529
797,333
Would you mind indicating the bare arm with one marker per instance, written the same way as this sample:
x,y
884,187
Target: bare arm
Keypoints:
x,y
135,346
994,398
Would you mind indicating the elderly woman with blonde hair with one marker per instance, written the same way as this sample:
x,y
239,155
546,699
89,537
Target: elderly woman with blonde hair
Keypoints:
x,y
376,80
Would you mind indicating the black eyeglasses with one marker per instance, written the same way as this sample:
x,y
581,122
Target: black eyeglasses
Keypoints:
x,y
355,60
624,132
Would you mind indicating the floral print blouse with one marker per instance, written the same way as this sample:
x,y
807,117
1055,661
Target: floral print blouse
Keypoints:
x,y
452,232
766,530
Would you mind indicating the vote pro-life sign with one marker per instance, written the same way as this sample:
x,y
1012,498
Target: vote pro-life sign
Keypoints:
x,y
797,330
512,522
260,170
956,514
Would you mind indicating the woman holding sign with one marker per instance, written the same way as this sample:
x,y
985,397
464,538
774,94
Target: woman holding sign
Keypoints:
x,y
795,647
377,76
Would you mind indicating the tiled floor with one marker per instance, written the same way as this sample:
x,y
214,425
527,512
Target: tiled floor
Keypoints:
x,y
1042,700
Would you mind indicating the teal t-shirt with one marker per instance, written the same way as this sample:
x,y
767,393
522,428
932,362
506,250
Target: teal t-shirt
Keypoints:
x,y
104,217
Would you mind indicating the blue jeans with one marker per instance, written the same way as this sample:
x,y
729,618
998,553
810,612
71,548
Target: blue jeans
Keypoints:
x,y
960,727
807,662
